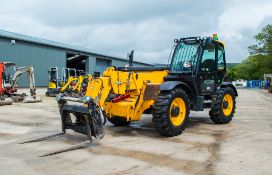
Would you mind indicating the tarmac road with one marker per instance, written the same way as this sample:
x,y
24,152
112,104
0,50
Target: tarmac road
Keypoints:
x,y
242,147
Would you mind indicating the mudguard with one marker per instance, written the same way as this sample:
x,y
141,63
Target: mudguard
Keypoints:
x,y
170,85
225,84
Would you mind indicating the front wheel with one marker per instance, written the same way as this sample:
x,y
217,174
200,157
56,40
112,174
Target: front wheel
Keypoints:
x,y
223,107
171,112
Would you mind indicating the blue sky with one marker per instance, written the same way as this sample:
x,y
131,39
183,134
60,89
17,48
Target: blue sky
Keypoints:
x,y
148,26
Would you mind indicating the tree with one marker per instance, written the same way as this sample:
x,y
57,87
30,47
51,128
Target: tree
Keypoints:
x,y
260,60
264,42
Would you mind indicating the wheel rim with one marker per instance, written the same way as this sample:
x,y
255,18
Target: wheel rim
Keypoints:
x,y
227,104
177,111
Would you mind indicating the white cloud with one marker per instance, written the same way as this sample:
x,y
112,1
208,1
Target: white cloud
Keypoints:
x,y
148,26
238,24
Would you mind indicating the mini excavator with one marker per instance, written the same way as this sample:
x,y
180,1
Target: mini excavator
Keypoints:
x,y
8,87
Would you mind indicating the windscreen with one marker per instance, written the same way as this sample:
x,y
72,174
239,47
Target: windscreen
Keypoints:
x,y
53,75
185,57
8,74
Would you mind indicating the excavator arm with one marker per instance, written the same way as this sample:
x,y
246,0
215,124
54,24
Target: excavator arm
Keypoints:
x,y
32,87
20,71
69,84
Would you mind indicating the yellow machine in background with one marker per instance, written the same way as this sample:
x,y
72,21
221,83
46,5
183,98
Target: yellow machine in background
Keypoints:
x,y
56,84
78,86
69,84
75,84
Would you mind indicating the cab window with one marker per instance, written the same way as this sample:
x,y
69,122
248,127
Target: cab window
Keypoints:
x,y
208,59
221,66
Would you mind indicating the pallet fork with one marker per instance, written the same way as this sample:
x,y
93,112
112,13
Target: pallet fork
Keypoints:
x,y
89,122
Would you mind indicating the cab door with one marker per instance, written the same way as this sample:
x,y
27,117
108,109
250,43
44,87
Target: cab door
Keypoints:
x,y
207,69
220,65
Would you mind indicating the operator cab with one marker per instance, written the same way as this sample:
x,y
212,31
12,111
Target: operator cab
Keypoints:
x,y
199,63
9,70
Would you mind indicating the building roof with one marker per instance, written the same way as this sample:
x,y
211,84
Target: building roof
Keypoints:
x,y
36,40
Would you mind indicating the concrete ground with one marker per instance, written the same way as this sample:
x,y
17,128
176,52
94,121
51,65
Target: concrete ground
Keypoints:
x,y
242,147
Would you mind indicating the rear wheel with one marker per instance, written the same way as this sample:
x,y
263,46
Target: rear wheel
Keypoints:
x,y
171,112
224,106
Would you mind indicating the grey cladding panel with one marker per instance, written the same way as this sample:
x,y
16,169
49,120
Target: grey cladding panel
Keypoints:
x,y
25,54
102,65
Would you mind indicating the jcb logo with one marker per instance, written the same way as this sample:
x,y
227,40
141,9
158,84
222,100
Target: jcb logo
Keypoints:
x,y
208,81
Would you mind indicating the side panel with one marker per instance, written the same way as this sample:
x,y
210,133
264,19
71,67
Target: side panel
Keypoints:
x,y
119,63
91,64
122,63
102,65
117,83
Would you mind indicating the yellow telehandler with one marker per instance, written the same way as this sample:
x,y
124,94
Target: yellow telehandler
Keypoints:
x,y
194,81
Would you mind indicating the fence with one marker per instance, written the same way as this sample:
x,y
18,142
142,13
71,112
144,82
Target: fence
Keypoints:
x,y
266,84
258,84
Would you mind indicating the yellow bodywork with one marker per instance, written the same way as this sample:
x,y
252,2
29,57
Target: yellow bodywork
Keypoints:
x,y
52,85
142,86
178,119
68,83
227,111
77,87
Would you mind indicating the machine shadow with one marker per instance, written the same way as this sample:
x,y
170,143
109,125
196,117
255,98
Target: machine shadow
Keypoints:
x,y
145,128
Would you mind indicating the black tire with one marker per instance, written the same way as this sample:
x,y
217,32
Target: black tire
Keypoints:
x,y
118,121
216,113
47,94
161,113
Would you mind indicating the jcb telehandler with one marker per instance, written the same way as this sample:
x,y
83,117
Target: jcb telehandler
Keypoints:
x,y
194,81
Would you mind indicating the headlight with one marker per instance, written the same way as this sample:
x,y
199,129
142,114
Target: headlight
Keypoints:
x,y
86,99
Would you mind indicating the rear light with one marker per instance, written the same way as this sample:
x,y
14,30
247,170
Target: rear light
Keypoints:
x,y
120,98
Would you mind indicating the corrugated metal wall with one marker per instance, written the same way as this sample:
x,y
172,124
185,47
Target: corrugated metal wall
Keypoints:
x,y
102,65
122,63
39,56
42,57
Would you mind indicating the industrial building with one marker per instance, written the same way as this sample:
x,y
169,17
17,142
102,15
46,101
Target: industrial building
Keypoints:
x,y
42,54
